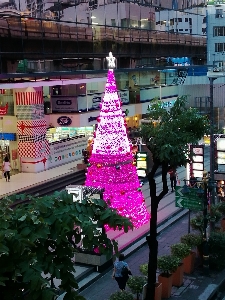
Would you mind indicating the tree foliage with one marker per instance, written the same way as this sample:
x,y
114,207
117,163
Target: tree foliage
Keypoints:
x,y
38,241
168,132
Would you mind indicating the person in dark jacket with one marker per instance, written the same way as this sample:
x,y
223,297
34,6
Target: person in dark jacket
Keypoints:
x,y
173,178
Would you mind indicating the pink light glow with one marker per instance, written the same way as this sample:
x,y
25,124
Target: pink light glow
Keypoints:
x,y
111,163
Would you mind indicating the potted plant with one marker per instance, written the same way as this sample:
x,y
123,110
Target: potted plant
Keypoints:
x,y
191,239
158,286
194,241
216,245
183,251
124,295
221,209
136,283
144,269
167,264
215,213
197,223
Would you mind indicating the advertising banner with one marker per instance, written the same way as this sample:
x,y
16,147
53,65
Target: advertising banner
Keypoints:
x,y
64,104
66,151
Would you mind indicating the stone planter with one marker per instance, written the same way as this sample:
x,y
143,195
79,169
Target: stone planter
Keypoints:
x,y
158,291
166,285
90,259
189,263
178,276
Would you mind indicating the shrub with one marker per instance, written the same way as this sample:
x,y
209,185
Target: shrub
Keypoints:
x,y
144,269
180,250
191,239
136,284
124,295
167,264
217,250
221,208
197,223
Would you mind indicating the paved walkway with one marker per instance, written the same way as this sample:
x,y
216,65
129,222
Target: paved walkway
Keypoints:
x,y
194,284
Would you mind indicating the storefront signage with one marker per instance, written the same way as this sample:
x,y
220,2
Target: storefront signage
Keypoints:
x,y
4,109
8,136
63,104
64,121
141,163
220,153
66,151
197,164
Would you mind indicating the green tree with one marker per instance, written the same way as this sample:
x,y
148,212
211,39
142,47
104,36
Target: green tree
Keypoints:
x,y
38,240
167,134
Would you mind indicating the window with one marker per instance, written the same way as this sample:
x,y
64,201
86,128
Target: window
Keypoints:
x,y
180,29
179,19
218,31
171,22
113,22
219,13
219,47
186,29
186,19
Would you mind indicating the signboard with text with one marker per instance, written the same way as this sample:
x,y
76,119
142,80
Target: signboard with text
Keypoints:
x,y
197,164
190,200
141,163
63,104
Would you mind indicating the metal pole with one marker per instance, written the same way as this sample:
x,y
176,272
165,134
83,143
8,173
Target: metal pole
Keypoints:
x,y
205,238
212,158
189,221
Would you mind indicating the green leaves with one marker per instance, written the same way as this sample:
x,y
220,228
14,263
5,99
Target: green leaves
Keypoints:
x,y
38,238
168,133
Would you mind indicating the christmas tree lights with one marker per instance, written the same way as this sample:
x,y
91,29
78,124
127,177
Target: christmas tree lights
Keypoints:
x,y
111,162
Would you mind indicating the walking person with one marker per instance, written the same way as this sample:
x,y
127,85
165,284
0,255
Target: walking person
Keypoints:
x,y
118,272
193,181
6,168
173,178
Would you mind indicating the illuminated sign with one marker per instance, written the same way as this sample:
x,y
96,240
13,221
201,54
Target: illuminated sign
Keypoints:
x,y
141,163
197,164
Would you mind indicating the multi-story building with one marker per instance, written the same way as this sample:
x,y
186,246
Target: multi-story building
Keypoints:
x,y
216,36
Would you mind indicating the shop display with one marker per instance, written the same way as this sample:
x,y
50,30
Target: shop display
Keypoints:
x,y
31,127
111,163
30,112
29,97
37,149
60,133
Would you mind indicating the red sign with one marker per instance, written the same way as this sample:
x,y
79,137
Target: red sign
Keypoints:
x,y
14,154
4,109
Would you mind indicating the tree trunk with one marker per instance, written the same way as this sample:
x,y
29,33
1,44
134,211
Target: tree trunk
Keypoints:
x,y
152,239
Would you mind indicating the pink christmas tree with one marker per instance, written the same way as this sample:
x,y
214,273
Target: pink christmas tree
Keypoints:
x,y
111,163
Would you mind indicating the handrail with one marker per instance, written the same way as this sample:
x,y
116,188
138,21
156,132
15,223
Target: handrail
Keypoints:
x,y
41,29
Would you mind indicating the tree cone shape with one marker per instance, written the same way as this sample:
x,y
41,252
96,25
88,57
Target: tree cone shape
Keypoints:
x,y
158,291
189,263
178,276
166,285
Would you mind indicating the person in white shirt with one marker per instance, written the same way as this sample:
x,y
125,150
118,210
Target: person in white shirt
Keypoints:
x,y
6,168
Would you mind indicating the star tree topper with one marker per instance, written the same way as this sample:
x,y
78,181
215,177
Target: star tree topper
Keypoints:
x,y
111,60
